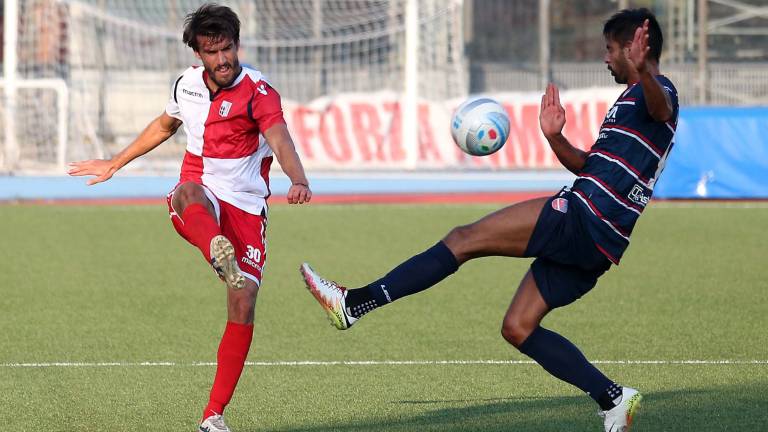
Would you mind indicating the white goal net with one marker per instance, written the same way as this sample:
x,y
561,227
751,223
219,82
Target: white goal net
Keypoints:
x,y
85,76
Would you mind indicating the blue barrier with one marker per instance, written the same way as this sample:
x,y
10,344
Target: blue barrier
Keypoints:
x,y
719,153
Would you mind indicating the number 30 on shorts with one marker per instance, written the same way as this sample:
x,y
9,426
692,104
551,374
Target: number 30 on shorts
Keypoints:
x,y
253,253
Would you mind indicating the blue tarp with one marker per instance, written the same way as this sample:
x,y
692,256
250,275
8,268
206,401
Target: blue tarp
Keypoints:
x,y
719,153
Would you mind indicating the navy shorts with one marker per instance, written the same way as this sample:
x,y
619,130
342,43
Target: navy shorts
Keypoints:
x,y
567,262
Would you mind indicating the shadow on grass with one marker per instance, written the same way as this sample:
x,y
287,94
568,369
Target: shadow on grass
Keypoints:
x,y
718,409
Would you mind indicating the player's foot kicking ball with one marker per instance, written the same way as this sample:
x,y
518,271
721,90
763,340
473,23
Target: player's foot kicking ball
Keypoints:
x,y
331,297
620,417
224,262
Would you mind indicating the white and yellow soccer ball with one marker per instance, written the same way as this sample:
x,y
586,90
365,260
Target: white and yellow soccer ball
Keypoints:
x,y
480,126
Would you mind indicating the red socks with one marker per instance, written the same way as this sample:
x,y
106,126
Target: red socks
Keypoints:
x,y
233,351
200,227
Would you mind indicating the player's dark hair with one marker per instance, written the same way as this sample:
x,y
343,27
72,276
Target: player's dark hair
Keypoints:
x,y
212,20
621,28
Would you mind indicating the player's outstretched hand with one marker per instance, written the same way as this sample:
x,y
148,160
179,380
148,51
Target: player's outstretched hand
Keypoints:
x,y
102,169
552,114
637,53
299,194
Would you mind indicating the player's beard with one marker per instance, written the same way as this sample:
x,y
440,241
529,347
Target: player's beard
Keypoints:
x,y
617,77
233,69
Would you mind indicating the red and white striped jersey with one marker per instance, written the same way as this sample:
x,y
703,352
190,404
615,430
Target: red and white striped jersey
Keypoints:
x,y
226,150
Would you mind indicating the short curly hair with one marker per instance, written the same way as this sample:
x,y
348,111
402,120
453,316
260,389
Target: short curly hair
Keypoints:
x,y
212,20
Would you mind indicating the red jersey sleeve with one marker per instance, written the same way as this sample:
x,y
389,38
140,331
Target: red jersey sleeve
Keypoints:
x,y
265,108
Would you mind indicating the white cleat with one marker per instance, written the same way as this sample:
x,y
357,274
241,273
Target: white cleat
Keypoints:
x,y
331,297
224,263
214,423
620,417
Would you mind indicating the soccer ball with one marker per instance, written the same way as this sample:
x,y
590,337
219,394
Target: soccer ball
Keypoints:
x,y
480,126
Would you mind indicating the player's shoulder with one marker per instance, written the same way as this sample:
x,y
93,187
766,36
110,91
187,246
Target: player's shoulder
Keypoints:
x,y
192,73
257,80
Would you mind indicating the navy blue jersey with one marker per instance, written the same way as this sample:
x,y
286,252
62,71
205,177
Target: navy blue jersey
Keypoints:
x,y
622,167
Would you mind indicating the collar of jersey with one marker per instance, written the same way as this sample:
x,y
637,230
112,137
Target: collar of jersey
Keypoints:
x,y
234,83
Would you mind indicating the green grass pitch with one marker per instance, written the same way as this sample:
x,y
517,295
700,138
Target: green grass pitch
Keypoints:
x,y
115,284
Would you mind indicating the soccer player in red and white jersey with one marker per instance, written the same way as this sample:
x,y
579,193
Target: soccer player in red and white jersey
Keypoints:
x,y
234,124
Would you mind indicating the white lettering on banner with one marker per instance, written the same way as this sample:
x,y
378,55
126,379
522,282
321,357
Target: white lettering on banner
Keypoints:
x,y
363,131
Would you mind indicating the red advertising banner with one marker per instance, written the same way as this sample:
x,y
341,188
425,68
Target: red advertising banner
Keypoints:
x,y
363,131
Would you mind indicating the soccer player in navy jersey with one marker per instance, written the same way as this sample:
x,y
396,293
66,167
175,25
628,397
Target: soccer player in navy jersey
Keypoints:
x,y
575,235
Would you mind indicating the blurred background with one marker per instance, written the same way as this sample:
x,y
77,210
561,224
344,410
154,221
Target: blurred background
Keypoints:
x,y
368,87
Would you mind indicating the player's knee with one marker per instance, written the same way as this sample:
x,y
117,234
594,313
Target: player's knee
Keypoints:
x,y
188,193
458,240
515,331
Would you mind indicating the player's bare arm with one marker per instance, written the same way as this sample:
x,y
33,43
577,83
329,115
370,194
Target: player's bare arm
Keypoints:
x,y
552,121
279,139
657,100
156,132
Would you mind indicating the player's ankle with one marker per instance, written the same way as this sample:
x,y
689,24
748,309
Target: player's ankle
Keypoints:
x,y
211,411
359,302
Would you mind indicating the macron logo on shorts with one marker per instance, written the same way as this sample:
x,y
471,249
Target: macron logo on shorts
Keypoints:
x,y
560,204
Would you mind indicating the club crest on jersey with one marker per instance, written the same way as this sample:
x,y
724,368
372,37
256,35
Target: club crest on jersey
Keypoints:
x,y
560,204
224,108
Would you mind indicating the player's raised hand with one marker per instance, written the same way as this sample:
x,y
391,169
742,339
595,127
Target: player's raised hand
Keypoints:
x,y
552,114
100,168
299,193
637,53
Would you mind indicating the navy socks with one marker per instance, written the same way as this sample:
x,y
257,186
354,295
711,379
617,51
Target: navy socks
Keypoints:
x,y
414,275
558,356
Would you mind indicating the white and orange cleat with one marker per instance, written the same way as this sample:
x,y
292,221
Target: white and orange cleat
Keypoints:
x,y
331,297
620,417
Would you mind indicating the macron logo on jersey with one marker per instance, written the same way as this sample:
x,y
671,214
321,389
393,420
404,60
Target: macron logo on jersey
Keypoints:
x,y
191,93
224,108
262,89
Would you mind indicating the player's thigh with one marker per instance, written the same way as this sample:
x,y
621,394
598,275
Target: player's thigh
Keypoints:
x,y
504,232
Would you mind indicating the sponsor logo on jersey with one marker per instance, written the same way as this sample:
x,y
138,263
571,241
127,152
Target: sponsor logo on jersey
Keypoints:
x,y
224,108
611,116
192,93
637,195
560,204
